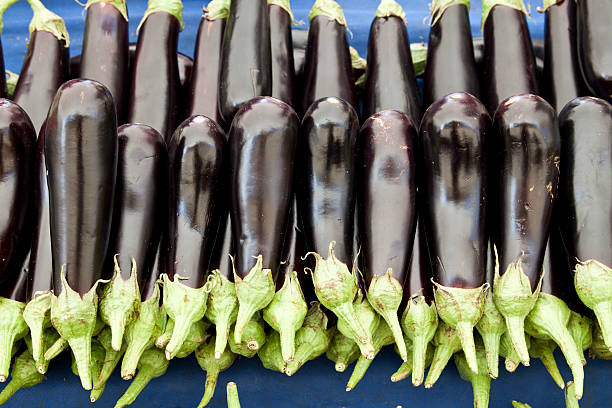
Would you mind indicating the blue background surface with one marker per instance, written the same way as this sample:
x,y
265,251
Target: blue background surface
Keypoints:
x,y
316,384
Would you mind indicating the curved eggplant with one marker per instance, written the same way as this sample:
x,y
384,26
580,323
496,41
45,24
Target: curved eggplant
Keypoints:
x,y
283,70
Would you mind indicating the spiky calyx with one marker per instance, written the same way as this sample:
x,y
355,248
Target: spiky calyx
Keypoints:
x,y
222,308
419,321
61,344
46,20
580,328
598,347
544,349
481,383
438,7
253,338
382,337
270,354
284,4
25,374
37,315
172,7
152,364
111,359
491,326
205,355
506,350
118,4
487,6
446,342
570,396
49,337
390,8
369,320
217,10
328,8
12,328
342,351
96,363
547,3
232,395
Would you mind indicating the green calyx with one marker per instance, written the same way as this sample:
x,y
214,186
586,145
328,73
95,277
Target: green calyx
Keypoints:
x,y
418,52
547,3
173,7
152,364
438,7
570,396
329,8
516,404
580,329
46,20
284,4
481,383
593,283
4,5
25,375
11,82
12,328
232,395
222,308
49,337
598,347
120,303
311,340
342,351
205,354
487,6
383,336
270,354
37,314
405,369
286,313
142,333
544,349
111,359
254,292
548,320
446,342
217,10
253,338
118,4
96,362
184,305
385,295
369,320
196,335
491,326
506,350
461,309
61,344
419,321
390,8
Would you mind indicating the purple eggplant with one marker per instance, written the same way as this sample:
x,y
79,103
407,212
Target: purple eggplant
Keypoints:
x,y
283,70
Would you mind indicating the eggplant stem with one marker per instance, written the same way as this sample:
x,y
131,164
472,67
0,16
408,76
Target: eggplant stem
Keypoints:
x,y
340,367
442,355
135,388
510,365
516,332
245,313
346,312
221,335
548,359
481,385
9,390
359,371
491,345
402,372
81,348
603,312
95,393
419,355
563,338
390,317
232,395
287,340
12,328
182,325
466,335
111,359
209,387
56,348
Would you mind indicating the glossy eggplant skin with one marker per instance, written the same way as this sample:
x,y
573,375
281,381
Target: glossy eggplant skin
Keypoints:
x,y
386,193
81,157
454,134
325,176
327,70
594,46
44,69
196,153
509,61
204,87
450,57
263,140
299,37
17,153
524,171
418,279
104,56
155,91
293,251
390,79
283,70
139,197
562,77
246,57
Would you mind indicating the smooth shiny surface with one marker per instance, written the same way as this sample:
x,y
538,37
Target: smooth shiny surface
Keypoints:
x,y
196,152
140,193
263,140
81,157
104,56
386,193
155,91
246,57
454,132
44,69
450,57
524,171
283,70
509,61
390,80
294,249
326,177
419,275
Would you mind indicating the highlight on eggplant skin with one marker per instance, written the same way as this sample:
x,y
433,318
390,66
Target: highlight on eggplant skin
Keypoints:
x,y
283,70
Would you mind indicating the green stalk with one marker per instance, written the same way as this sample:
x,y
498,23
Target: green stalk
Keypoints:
x,y
217,10
342,351
196,335
570,396
25,375
369,320
111,359
4,5
61,344
152,364
12,328
491,326
516,404
232,396
97,361
45,20
270,354
382,337
439,6
207,360
418,52
598,346
446,342
580,329
420,321
544,349
253,338
11,83
222,308
50,336
506,350
37,316
481,383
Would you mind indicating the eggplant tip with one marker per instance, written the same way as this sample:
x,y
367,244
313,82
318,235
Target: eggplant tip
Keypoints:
x,y
217,355
253,345
92,399
2,378
428,386
393,378
128,377
340,367
41,370
348,389
168,355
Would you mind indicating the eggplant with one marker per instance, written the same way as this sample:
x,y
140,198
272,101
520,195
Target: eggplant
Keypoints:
x,y
152,364
538,51
232,395
283,70
246,56
135,234
595,55
386,208
481,382
17,151
562,79
390,80
300,41
197,152
327,70
213,365
450,53
204,88
24,375
155,91
509,61
45,66
253,337
584,202
104,56
81,155
264,131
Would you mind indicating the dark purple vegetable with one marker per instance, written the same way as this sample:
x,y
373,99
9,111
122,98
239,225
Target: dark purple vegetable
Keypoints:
x,y
299,37
283,70
538,51
246,58
81,157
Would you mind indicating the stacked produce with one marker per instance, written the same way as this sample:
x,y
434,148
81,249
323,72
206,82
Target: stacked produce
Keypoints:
x,y
253,202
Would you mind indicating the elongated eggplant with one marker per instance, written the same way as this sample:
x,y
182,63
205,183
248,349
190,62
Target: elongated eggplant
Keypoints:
x,y
246,57
104,56
594,51
509,62
327,70
453,136
538,51
45,66
196,154
135,234
81,156
386,207
264,131
17,152
390,79
450,53
562,79
204,86
283,70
